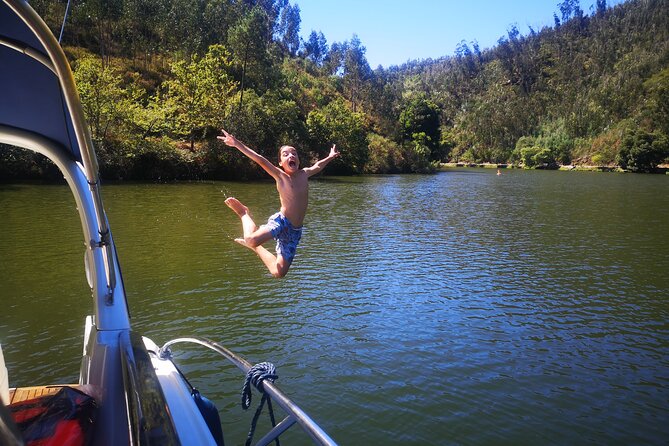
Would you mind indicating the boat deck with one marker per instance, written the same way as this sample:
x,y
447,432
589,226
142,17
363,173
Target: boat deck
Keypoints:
x,y
19,394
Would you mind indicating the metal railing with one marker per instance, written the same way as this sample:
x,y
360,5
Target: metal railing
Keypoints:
x,y
295,414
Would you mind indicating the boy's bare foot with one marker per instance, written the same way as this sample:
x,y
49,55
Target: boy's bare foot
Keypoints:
x,y
237,206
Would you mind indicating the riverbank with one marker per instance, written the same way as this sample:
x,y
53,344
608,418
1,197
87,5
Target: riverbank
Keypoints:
x,y
661,169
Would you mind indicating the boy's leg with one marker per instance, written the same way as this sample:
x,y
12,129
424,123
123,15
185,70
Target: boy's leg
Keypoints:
x,y
277,265
253,237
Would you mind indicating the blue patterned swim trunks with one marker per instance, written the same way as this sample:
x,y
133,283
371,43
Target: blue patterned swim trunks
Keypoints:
x,y
287,237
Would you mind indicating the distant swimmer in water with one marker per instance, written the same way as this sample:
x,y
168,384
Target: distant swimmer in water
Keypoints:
x,y
286,225
498,172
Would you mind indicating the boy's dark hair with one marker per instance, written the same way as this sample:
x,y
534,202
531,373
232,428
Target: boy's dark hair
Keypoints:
x,y
283,147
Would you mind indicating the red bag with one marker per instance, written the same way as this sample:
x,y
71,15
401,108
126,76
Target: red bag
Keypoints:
x,y
62,419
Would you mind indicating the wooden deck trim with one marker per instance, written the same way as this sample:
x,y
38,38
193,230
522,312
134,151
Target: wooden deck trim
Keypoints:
x,y
19,394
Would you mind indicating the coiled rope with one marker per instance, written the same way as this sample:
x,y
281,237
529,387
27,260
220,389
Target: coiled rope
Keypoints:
x,y
256,376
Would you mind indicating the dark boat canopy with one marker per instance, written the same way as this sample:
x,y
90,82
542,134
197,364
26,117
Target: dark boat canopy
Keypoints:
x,y
37,91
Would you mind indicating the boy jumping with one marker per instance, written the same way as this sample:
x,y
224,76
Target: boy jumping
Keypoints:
x,y
286,225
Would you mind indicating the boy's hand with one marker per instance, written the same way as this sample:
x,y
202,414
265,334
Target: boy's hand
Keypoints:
x,y
228,139
334,153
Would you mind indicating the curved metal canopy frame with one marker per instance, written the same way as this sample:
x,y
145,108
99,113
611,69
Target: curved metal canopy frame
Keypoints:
x,y
40,110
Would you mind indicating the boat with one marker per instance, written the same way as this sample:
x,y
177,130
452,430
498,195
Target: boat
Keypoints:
x,y
130,391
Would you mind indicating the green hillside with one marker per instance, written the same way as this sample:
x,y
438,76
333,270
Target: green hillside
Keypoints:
x,y
159,78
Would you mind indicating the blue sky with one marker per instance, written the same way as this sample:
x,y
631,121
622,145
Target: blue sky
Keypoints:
x,y
394,31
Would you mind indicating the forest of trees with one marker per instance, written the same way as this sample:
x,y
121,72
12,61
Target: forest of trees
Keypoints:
x,y
159,78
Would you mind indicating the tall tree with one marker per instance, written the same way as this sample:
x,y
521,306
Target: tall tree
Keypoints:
x,y
333,62
420,116
357,73
290,29
198,94
106,103
142,23
183,30
249,41
316,48
601,7
337,124
219,16
105,16
569,9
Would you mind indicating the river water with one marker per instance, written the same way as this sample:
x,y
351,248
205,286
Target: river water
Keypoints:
x,y
456,308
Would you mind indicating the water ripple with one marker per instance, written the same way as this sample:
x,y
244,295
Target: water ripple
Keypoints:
x,y
459,308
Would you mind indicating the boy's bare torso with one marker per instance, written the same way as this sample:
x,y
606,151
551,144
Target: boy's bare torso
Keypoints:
x,y
294,196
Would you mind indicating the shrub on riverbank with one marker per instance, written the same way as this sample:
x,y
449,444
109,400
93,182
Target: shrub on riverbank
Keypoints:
x,y
642,151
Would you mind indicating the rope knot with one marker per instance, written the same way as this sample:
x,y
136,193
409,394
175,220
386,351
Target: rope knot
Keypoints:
x,y
256,375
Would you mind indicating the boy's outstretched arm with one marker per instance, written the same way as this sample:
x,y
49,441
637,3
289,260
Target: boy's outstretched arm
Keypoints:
x,y
231,141
320,164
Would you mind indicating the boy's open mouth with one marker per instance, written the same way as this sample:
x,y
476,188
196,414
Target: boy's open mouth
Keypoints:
x,y
292,163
